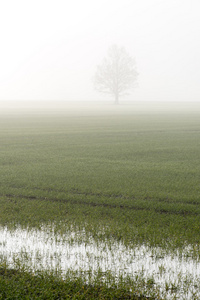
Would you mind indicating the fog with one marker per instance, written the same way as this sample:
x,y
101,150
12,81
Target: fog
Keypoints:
x,y
50,49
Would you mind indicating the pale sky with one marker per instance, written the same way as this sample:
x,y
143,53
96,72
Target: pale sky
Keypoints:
x,y
49,49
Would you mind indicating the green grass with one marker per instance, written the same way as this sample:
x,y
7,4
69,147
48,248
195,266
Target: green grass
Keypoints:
x,y
131,176
16,284
136,174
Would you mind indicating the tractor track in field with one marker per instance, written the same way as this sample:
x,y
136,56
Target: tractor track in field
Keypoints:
x,y
112,195
106,205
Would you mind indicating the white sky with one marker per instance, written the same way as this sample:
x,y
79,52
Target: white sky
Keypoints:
x,y
49,49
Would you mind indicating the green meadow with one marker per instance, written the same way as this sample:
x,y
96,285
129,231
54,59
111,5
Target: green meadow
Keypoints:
x,y
126,174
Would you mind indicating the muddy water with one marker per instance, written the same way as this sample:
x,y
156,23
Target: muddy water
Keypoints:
x,y
44,249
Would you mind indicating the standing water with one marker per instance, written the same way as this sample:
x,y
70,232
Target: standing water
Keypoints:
x,y
45,249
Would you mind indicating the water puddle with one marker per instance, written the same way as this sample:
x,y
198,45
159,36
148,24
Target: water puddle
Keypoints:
x,y
45,249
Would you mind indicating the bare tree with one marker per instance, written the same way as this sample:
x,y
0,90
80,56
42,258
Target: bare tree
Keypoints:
x,y
117,73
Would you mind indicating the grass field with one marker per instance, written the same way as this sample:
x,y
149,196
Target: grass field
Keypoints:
x,y
127,175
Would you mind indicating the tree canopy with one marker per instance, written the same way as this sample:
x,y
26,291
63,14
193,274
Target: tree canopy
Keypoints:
x,y
116,74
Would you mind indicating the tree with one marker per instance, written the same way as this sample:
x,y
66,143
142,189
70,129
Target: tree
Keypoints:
x,y
117,73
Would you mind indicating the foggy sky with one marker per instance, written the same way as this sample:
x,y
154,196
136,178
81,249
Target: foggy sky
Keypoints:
x,y
49,49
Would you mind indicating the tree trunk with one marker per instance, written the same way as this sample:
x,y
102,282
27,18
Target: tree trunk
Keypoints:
x,y
116,99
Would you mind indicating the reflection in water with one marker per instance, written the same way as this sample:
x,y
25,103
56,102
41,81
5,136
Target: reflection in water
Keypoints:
x,y
44,249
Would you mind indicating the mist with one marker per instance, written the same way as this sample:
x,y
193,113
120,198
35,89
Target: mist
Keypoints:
x,y
50,49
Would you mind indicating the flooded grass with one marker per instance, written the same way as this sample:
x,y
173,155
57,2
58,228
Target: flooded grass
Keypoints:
x,y
110,200
45,250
